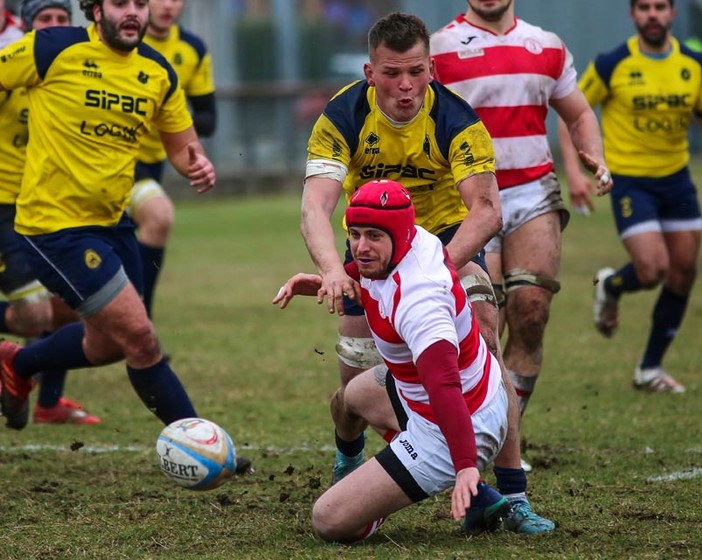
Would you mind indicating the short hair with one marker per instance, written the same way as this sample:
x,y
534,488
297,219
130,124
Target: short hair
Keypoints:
x,y
633,3
87,7
399,32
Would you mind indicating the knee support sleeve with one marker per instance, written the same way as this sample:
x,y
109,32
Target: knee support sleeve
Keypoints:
x,y
521,277
359,353
478,288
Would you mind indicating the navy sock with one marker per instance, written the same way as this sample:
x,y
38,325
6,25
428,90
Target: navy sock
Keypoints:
x,y
152,260
51,387
3,309
350,448
667,317
510,481
486,497
63,349
160,390
624,280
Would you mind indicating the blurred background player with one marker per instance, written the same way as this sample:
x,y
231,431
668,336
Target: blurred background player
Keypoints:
x,y
29,310
439,396
10,29
150,207
400,125
650,88
511,72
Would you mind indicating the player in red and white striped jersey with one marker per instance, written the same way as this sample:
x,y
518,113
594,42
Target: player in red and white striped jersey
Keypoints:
x,y
439,393
511,72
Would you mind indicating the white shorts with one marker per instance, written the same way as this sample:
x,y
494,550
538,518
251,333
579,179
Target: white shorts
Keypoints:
x,y
418,458
525,202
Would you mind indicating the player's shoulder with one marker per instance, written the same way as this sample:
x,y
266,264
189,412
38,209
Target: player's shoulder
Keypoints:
x,y
49,43
192,40
529,31
349,104
450,108
688,52
606,62
150,53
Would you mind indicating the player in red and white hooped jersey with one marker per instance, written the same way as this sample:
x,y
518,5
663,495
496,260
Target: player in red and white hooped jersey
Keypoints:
x,y
439,396
511,72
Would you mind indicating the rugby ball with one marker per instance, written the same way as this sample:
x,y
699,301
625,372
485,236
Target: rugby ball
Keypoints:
x,y
196,454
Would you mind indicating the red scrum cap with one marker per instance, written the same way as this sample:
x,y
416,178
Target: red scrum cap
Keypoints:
x,y
384,205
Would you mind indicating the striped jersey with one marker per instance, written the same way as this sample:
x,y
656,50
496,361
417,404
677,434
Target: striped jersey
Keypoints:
x,y
509,80
647,105
420,303
444,144
89,108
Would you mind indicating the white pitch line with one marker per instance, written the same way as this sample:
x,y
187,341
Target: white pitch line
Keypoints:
x,y
39,447
679,475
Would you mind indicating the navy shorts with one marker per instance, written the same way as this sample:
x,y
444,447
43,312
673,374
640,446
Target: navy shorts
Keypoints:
x,y
15,271
82,263
355,309
148,171
664,204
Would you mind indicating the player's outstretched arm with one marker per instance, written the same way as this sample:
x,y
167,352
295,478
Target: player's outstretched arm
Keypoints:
x,y
188,157
299,285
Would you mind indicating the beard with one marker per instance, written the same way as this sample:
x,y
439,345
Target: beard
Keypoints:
x,y
111,35
653,35
494,14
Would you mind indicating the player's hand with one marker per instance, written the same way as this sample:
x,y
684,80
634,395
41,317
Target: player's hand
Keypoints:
x,y
335,286
201,172
466,487
581,189
599,170
299,285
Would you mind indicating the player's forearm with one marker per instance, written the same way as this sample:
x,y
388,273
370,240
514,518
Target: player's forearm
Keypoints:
x,y
585,135
438,372
569,154
318,235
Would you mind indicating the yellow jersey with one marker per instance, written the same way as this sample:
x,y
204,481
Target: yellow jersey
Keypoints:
x,y
89,107
189,57
647,105
444,144
14,111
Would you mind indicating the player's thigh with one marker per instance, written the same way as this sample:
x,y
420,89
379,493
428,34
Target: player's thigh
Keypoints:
x,y
535,246
367,396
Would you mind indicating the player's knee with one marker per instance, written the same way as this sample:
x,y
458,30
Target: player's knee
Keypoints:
x,y
328,521
357,353
479,289
140,344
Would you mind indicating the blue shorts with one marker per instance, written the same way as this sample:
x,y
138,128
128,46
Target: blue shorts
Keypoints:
x,y
355,309
86,266
662,204
15,271
148,171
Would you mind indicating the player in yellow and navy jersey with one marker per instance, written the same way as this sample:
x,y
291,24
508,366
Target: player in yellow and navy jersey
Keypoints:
x,y
93,93
29,311
398,124
150,207
650,89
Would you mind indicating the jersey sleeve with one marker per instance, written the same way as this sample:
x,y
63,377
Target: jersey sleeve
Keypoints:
x,y
592,86
471,152
202,80
326,142
568,80
174,115
18,66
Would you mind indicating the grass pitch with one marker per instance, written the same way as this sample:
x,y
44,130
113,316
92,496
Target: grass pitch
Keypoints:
x,y
619,470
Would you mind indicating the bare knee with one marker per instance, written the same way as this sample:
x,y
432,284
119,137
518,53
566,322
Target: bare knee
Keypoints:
x,y
155,218
141,347
528,312
29,319
328,522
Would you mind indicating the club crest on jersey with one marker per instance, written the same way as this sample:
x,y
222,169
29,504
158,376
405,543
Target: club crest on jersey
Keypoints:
x,y
92,259
533,46
143,77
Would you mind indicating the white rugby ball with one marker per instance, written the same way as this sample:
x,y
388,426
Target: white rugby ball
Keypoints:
x,y
196,454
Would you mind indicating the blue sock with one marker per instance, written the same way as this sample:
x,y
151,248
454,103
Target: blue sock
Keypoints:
x,y
487,496
512,483
152,260
3,309
667,317
624,280
51,387
63,349
350,448
160,390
